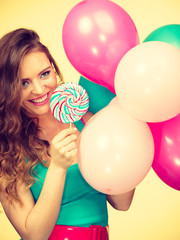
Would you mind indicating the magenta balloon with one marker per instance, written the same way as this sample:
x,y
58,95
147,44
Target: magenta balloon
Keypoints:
x,y
96,35
166,162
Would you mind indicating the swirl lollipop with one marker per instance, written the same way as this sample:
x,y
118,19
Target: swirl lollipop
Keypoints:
x,y
69,102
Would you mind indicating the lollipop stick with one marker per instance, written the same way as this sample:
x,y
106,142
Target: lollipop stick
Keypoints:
x,y
70,125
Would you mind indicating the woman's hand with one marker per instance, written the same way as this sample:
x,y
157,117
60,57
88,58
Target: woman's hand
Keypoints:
x,y
64,148
122,201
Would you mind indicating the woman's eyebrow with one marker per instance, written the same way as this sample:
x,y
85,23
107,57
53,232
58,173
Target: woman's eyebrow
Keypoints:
x,y
45,69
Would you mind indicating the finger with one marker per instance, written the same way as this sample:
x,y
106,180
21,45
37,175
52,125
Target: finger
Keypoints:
x,y
64,133
71,153
70,147
63,148
69,139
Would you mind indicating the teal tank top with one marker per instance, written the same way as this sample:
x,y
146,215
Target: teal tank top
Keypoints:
x,y
81,204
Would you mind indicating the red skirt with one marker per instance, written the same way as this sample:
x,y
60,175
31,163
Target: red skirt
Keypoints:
x,y
94,232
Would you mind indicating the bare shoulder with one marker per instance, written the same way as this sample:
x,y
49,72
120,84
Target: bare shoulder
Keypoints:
x,y
3,185
23,193
87,116
14,208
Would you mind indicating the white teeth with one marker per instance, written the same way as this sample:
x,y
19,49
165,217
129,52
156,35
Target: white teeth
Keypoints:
x,y
40,100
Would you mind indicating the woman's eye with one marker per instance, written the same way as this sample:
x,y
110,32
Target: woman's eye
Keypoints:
x,y
45,74
25,83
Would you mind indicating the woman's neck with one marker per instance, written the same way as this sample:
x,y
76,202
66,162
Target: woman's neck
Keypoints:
x,y
50,127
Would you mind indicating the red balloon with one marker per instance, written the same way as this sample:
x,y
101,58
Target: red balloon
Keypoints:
x,y
166,162
96,35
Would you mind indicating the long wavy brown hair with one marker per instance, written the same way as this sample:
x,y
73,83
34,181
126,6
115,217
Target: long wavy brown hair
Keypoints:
x,y
20,147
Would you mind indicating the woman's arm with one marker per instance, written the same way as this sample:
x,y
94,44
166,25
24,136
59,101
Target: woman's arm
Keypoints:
x,y
122,201
36,221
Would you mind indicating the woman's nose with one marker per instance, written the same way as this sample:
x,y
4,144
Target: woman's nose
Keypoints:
x,y
38,87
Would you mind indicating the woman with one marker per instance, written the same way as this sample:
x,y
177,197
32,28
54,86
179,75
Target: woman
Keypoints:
x,y
41,189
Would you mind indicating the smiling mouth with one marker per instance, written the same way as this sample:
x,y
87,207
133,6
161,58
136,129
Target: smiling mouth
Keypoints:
x,y
40,100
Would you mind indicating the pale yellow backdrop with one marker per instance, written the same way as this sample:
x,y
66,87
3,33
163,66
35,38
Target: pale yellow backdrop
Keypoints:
x,y
155,212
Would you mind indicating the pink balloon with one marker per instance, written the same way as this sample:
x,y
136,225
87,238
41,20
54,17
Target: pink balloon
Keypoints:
x,y
96,34
115,150
147,81
166,162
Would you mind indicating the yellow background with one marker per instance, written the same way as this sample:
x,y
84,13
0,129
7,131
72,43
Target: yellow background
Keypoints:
x,y
155,212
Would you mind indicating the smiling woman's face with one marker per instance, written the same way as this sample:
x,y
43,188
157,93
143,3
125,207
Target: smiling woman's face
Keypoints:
x,y
38,82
